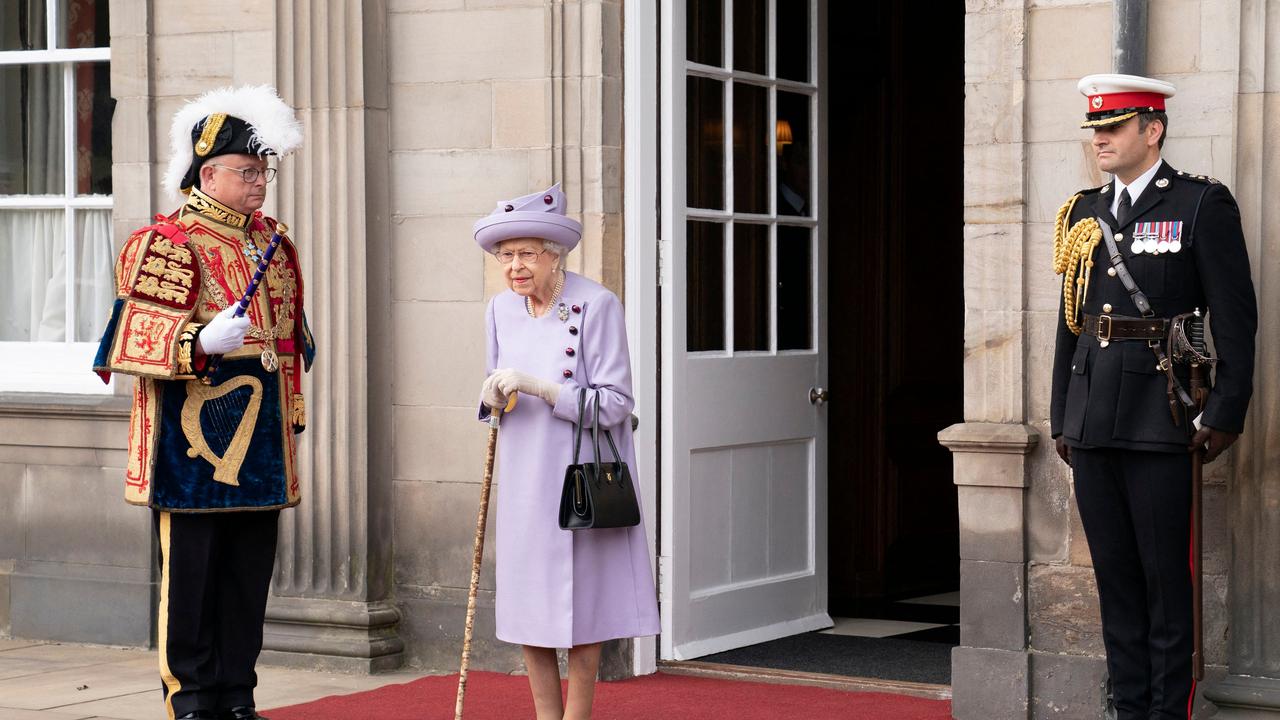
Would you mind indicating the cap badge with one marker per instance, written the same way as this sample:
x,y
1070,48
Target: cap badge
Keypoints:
x,y
1162,183
1096,101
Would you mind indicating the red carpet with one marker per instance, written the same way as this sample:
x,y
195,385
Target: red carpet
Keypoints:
x,y
492,696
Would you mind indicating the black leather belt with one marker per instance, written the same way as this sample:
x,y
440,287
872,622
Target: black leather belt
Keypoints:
x,y
1119,327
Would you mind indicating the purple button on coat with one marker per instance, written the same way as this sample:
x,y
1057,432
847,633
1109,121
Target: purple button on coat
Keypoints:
x,y
559,588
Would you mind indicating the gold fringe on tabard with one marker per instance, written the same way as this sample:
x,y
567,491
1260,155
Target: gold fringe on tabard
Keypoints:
x,y
1073,259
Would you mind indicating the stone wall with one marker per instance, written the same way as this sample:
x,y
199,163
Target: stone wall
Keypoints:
x,y
1024,156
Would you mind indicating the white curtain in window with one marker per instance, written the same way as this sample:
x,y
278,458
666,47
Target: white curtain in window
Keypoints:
x,y
33,267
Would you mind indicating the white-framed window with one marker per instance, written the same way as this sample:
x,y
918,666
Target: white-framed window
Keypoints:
x,y
751,98
56,254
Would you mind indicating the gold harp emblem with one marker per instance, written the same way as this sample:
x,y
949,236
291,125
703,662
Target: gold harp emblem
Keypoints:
x,y
226,468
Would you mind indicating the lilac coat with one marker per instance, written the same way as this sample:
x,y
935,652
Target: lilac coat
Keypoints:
x,y
557,588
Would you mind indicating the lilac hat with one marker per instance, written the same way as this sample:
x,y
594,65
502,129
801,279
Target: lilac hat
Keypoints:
x,y
539,215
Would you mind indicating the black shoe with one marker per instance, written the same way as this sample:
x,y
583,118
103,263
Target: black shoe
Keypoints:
x,y
198,715
244,712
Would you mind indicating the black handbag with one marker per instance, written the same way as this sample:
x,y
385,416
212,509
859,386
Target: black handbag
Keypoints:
x,y
598,494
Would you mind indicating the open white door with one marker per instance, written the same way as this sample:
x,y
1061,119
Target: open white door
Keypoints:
x,y
743,552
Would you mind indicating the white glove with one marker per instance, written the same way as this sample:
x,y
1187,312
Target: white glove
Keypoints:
x,y
490,394
223,334
509,381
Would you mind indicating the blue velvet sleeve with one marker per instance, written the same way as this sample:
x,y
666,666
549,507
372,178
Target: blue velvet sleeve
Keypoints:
x,y
104,345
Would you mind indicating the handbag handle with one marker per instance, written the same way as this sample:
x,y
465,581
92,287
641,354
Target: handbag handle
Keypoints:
x,y
595,431
595,436
577,436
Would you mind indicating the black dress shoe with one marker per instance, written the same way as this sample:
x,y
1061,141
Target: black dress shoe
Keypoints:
x,y
198,715
244,712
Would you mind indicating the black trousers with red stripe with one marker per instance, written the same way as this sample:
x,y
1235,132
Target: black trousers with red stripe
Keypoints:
x,y
215,574
1136,511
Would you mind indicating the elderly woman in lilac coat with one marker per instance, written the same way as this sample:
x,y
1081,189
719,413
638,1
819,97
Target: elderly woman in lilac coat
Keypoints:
x,y
550,334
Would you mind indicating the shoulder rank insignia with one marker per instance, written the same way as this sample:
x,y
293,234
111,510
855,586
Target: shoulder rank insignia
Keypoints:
x,y
1199,178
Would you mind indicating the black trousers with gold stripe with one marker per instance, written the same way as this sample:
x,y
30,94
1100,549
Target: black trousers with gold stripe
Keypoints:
x,y
215,571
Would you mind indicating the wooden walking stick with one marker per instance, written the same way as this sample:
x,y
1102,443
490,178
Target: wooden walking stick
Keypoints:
x,y
482,519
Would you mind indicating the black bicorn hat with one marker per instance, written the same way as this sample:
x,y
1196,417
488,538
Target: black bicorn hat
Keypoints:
x,y
250,120
220,134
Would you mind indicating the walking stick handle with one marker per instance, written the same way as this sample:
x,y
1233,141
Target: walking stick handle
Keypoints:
x,y
477,557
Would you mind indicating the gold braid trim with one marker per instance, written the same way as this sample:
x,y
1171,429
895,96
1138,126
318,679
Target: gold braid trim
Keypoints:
x,y
1073,259
1103,122
298,411
1060,234
209,135
186,347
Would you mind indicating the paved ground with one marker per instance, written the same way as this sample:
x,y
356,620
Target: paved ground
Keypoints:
x,y
44,681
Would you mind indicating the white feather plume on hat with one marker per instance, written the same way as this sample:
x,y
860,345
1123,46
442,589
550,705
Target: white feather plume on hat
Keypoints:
x,y
275,128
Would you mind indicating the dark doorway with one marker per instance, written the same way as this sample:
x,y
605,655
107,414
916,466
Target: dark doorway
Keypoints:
x,y
896,306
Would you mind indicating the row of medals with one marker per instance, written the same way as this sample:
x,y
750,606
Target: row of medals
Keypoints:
x,y
1154,244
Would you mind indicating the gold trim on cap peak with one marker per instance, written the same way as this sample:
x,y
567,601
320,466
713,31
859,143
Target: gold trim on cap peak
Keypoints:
x,y
1103,122
212,126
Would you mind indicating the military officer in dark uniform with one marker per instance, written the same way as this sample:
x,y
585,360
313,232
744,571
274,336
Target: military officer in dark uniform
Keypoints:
x,y
1118,415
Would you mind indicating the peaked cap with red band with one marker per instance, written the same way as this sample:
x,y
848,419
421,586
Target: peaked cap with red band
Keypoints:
x,y
1115,98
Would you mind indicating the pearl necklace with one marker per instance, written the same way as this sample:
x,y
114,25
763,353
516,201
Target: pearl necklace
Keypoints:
x,y
555,295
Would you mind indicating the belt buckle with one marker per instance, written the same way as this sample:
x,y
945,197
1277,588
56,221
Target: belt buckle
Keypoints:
x,y
1104,339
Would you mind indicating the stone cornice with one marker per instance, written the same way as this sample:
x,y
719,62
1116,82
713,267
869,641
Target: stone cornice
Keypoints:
x,y
985,437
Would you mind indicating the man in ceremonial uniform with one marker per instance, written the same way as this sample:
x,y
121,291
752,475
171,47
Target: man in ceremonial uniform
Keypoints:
x,y
217,400
1120,414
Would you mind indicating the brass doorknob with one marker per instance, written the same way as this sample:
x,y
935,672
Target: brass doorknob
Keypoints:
x,y
818,396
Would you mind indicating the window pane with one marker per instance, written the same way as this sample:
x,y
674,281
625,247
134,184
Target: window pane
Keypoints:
x,y
94,107
793,154
22,25
83,24
31,130
704,260
705,137
795,288
749,28
704,33
33,275
95,285
793,40
750,148
750,287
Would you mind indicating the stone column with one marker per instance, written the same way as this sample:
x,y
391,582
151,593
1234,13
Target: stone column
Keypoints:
x,y
330,604
1251,690
586,128
990,669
